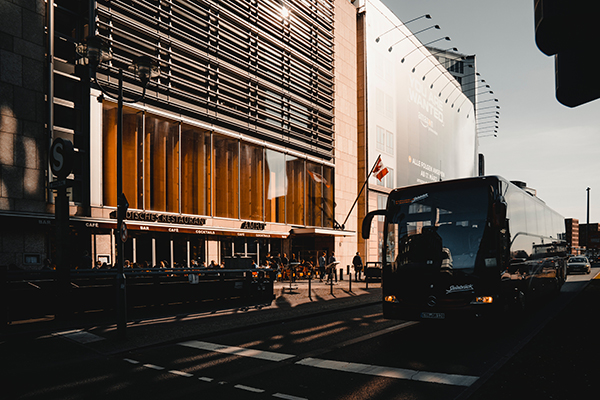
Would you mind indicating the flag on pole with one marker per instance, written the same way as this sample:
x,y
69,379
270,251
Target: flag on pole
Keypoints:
x,y
318,178
380,171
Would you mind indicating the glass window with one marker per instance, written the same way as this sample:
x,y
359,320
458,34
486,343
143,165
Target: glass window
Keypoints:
x,y
328,203
251,181
380,138
132,155
389,142
195,171
389,179
275,186
295,190
109,154
314,194
161,164
226,169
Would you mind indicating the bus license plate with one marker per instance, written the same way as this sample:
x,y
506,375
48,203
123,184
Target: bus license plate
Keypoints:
x,y
433,315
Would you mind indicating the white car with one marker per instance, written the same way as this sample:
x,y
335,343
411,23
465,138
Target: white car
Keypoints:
x,y
579,264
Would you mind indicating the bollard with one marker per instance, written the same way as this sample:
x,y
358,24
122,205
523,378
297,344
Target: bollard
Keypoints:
x,y
350,283
309,286
341,274
331,283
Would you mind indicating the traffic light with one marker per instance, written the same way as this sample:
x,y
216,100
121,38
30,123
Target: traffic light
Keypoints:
x,y
566,29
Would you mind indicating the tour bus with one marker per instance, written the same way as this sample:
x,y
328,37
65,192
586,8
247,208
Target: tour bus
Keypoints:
x,y
467,248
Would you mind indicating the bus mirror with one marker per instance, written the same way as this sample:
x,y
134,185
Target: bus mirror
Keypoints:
x,y
366,224
499,211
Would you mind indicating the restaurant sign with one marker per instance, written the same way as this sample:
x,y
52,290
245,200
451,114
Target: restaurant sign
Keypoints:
x,y
164,218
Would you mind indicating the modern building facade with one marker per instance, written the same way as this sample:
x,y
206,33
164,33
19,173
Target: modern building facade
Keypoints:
x,y
412,112
244,145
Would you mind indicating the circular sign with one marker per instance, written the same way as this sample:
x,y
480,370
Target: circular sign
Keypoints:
x,y
61,157
124,235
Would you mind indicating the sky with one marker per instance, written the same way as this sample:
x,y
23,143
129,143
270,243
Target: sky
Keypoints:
x,y
551,147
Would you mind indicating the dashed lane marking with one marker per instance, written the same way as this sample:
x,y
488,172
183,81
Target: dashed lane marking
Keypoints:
x,y
249,389
152,366
181,373
288,397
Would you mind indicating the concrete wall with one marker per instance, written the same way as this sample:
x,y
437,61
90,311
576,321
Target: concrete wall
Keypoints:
x,y
346,136
23,141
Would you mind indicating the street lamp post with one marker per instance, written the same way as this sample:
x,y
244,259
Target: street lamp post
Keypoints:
x,y
587,226
93,52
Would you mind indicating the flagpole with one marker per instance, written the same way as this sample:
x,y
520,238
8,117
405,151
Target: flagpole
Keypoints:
x,y
361,190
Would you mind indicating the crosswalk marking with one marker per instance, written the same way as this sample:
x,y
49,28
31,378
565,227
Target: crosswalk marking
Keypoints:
x,y
365,369
238,351
390,372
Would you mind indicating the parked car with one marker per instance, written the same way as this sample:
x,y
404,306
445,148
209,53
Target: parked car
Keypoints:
x,y
579,264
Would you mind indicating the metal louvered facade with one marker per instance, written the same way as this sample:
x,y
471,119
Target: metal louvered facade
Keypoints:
x,y
240,65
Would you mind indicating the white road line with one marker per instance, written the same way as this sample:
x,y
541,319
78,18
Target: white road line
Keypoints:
x,y
390,372
130,361
152,366
249,389
365,369
206,379
288,397
181,373
238,351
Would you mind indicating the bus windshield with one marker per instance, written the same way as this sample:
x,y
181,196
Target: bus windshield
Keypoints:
x,y
429,227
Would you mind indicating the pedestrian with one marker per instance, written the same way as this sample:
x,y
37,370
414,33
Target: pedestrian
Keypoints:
x,y
322,267
332,268
358,266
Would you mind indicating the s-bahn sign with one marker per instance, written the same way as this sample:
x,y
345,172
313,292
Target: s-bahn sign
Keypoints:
x,y
62,154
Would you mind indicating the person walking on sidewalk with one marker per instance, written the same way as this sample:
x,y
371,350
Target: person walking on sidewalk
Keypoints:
x,y
332,268
322,262
358,266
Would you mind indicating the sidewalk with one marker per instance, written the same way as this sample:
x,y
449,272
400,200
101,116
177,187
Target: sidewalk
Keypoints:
x,y
289,303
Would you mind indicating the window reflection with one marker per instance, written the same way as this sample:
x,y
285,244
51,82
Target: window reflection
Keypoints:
x,y
195,171
251,181
174,167
275,186
161,161
314,194
226,156
295,190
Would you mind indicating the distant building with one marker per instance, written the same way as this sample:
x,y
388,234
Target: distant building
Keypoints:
x,y
572,230
593,242
462,67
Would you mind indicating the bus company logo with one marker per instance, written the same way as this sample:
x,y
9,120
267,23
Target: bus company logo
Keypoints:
x,y
459,288
432,301
419,198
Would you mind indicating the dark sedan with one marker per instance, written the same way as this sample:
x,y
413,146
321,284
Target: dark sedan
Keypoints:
x,y
579,264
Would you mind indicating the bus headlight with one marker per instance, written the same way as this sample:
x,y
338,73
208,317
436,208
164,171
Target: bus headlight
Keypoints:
x,y
391,299
483,300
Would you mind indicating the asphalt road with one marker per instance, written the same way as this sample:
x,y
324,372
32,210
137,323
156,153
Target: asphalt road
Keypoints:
x,y
353,354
